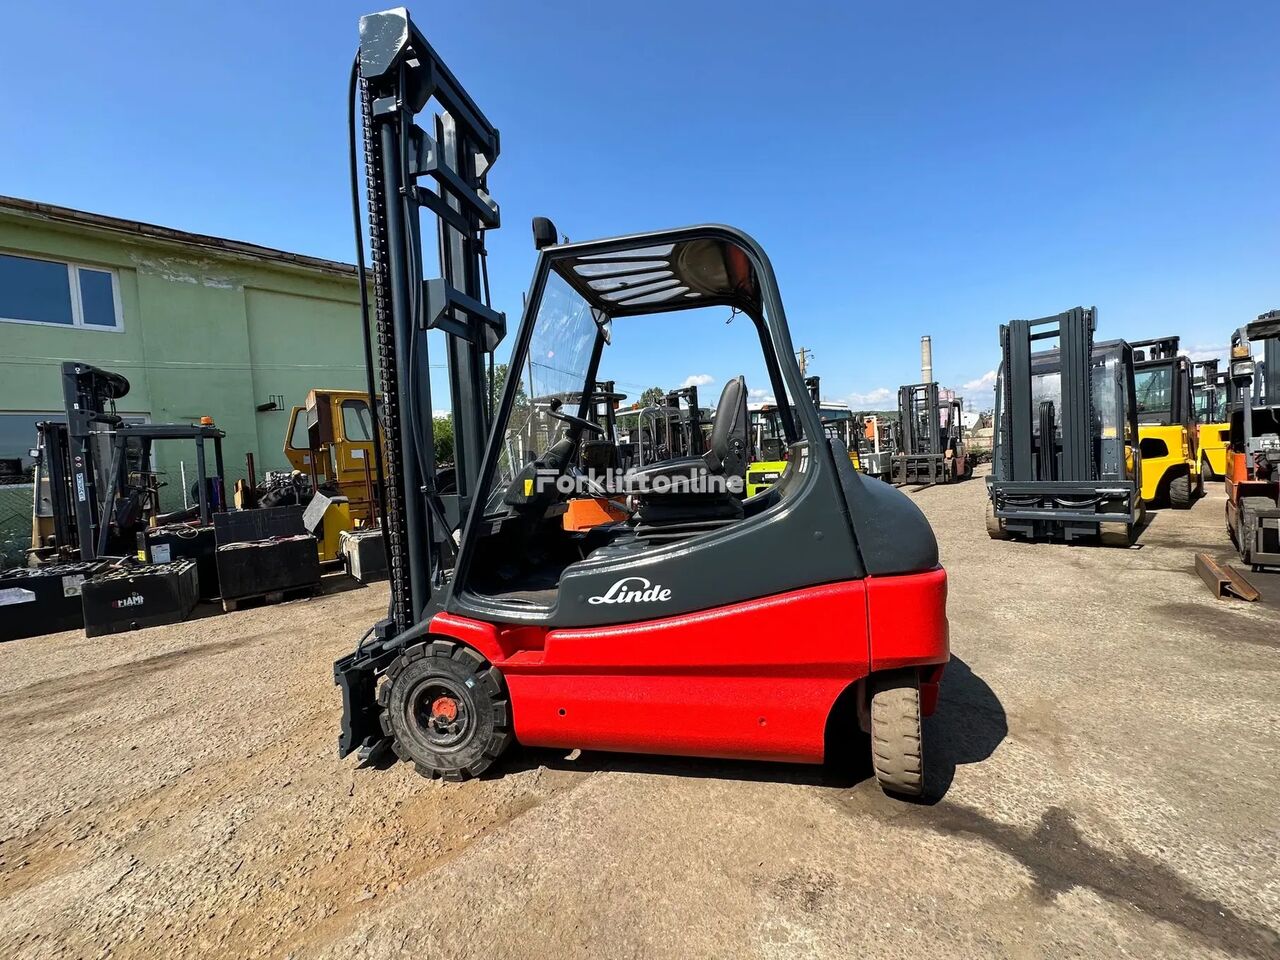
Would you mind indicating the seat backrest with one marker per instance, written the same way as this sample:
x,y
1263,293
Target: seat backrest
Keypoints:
x,y
729,432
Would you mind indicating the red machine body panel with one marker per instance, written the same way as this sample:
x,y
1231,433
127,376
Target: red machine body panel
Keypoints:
x,y
754,680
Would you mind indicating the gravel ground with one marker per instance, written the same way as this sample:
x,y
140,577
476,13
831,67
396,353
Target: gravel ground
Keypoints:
x,y
1104,782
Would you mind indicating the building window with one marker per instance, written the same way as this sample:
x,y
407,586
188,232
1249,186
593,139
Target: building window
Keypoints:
x,y
61,294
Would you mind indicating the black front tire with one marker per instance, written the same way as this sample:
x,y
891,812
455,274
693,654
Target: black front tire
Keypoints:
x,y
446,710
995,526
1250,507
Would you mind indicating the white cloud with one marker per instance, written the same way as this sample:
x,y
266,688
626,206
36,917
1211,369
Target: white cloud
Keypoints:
x,y
698,380
872,398
985,382
760,395
1204,352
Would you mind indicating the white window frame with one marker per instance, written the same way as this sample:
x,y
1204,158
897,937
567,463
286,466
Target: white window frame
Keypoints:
x,y
77,305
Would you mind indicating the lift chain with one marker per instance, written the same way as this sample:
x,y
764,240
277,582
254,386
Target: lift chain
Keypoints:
x,y
397,537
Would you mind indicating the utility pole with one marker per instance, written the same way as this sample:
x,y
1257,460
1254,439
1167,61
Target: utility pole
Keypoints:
x,y
803,355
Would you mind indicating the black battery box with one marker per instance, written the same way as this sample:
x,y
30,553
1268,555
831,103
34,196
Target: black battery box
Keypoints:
x,y
182,542
260,567
264,523
43,600
127,598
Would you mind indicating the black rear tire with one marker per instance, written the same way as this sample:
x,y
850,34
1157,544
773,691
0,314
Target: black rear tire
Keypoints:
x,y
897,742
1180,492
446,710
1206,472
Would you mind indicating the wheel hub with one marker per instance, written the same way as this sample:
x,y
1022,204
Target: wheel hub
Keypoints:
x,y
440,710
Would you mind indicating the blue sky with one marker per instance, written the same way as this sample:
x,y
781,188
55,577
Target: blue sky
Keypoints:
x,y
930,167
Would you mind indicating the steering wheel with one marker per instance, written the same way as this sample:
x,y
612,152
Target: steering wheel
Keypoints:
x,y
553,411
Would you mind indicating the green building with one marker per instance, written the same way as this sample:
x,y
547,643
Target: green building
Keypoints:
x,y
200,325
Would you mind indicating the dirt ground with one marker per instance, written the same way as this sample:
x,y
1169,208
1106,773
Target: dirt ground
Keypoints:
x,y
1105,781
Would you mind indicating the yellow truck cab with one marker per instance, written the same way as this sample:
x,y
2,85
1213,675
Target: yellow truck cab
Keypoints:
x,y
330,440
1213,421
1167,430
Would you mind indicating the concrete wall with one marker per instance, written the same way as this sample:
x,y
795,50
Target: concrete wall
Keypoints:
x,y
205,333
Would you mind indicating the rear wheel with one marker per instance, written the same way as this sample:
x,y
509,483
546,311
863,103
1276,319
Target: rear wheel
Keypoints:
x,y
897,747
1206,472
1180,492
446,709
1250,507
995,526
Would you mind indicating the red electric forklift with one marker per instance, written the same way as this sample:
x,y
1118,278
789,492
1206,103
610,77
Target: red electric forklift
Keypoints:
x,y
658,633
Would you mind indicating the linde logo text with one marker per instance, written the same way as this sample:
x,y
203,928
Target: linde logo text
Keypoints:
x,y
633,590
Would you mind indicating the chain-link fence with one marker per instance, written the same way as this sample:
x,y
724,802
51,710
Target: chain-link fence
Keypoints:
x,y
15,523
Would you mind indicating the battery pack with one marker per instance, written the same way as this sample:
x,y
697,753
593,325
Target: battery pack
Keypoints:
x,y
128,598
364,554
262,567
34,602
182,542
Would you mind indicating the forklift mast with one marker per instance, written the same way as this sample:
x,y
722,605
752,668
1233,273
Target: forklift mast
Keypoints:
x,y
444,170
1160,348
88,397
814,385
1207,400
919,416
1249,384
696,445
1074,331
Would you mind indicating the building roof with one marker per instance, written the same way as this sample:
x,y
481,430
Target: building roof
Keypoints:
x,y
167,235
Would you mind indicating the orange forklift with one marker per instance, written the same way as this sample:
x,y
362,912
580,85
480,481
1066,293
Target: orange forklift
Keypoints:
x,y
1253,467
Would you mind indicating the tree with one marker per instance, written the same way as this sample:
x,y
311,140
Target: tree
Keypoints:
x,y
500,383
653,397
443,431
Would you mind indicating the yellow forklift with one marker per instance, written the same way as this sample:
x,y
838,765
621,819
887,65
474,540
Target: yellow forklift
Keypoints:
x,y
1213,418
329,445
768,450
1167,434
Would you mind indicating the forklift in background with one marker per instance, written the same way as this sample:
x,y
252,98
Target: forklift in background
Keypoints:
x,y
840,422
1167,432
1066,463
768,447
766,437
933,448
1209,398
1253,474
878,445
94,490
658,634
96,505
329,443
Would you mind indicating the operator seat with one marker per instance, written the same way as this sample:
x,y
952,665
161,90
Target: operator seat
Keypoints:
x,y
687,502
